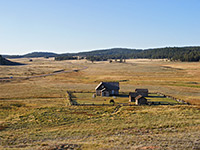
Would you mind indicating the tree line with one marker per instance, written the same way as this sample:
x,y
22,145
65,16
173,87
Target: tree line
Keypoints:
x,y
190,54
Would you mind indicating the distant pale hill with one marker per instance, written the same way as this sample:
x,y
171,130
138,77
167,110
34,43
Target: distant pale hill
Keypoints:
x,y
32,55
4,61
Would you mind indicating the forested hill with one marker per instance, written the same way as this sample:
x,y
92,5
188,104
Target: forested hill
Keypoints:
x,y
173,53
4,61
117,52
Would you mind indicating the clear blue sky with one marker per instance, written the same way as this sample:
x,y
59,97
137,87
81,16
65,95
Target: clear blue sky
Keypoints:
x,y
78,25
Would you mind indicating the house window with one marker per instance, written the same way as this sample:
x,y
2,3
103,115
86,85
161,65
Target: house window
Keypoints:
x,y
113,92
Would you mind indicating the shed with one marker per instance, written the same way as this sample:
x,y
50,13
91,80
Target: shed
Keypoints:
x,y
132,96
143,92
140,100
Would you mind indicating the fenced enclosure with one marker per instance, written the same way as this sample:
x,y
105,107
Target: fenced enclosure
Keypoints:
x,y
88,99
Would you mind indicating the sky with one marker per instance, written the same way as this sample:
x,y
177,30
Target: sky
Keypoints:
x,y
64,26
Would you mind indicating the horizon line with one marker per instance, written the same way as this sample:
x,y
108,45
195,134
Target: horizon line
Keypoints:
x,y
98,49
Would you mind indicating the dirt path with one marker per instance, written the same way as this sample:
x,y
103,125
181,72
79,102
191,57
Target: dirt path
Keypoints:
x,y
45,75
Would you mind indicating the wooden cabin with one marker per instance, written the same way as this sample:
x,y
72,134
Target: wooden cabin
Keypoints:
x,y
107,89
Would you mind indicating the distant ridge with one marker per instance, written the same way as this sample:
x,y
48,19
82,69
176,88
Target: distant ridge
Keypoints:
x,y
32,55
190,53
4,61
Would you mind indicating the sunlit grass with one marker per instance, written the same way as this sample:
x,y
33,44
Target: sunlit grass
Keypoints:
x,y
29,124
34,113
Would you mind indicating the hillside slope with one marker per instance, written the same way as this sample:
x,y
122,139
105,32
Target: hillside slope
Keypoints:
x,y
4,61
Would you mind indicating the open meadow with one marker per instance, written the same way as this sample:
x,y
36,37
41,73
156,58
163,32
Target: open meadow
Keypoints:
x,y
34,113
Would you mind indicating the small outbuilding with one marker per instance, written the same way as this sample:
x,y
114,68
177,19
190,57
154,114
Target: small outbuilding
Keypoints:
x,y
143,92
107,89
132,96
140,100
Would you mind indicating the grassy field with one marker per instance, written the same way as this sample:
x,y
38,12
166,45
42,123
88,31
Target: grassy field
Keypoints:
x,y
37,66
34,113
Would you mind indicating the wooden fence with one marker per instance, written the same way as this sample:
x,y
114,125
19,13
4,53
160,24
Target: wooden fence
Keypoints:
x,y
69,98
173,98
74,103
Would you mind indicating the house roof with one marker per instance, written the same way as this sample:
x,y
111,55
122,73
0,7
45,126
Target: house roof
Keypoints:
x,y
104,89
141,90
109,85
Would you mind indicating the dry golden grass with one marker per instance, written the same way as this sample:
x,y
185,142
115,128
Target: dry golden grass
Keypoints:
x,y
45,123
37,66
177,79
34,114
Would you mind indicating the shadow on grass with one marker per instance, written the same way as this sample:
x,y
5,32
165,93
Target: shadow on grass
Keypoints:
x,y
122,95
161,103
156,96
